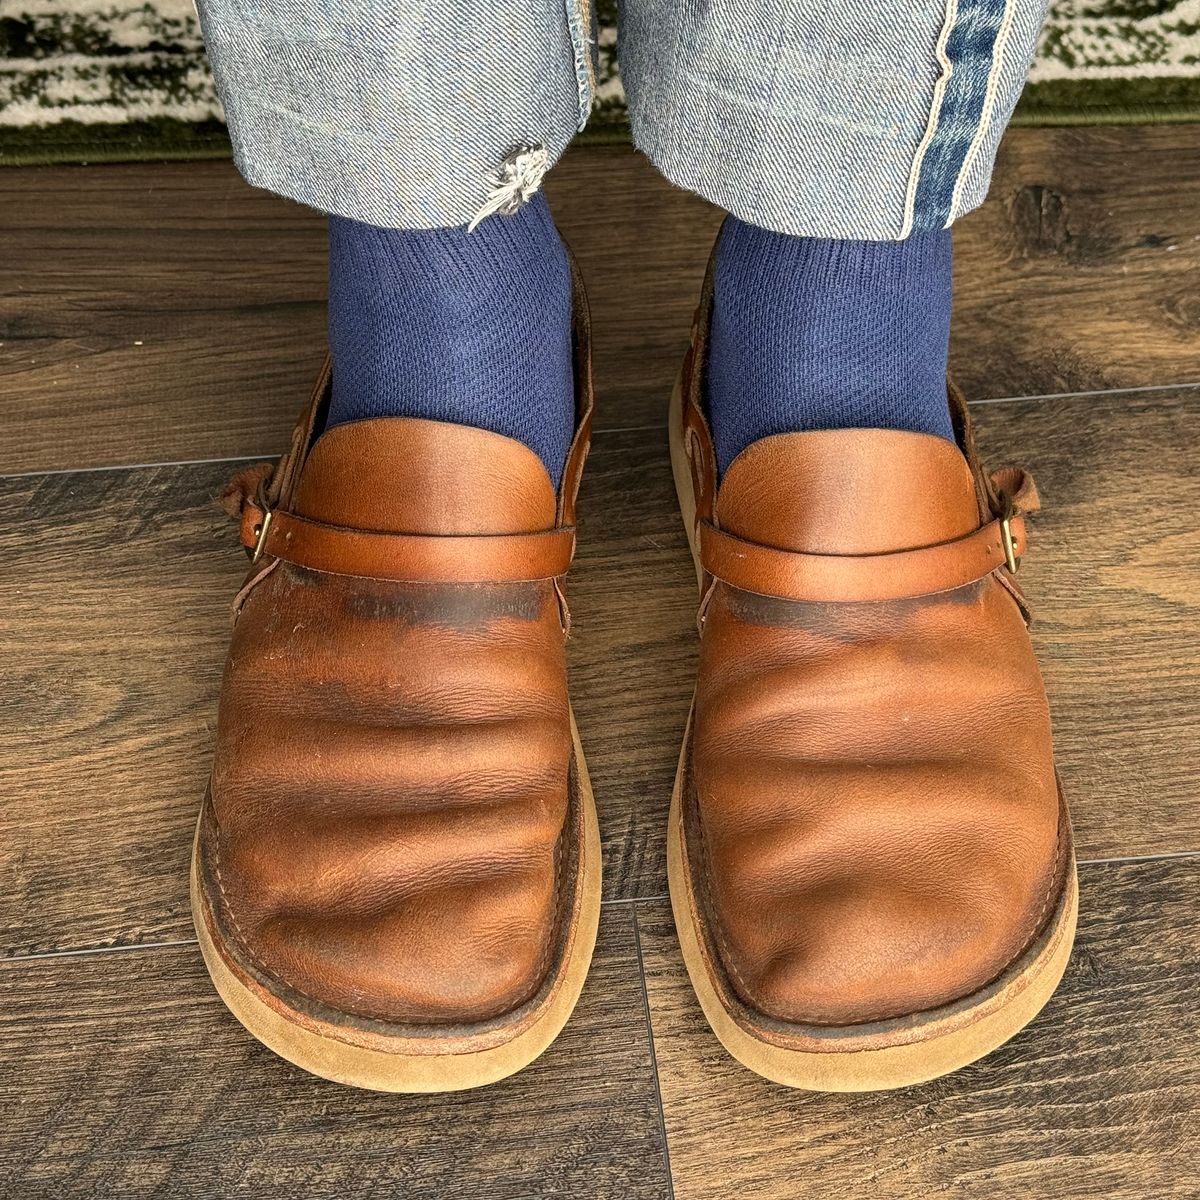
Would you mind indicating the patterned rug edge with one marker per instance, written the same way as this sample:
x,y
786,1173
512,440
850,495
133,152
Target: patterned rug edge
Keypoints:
x,y
130,81
74,143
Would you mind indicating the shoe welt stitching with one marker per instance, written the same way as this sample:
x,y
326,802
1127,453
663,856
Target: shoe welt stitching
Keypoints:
x,y
714,921
272,972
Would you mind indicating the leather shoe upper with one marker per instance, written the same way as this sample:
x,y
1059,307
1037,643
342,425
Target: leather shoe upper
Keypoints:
x,y
390,783
389,831
875,780
873,815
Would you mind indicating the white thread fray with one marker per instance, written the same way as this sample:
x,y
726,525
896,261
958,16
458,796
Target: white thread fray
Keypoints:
x,y
519,176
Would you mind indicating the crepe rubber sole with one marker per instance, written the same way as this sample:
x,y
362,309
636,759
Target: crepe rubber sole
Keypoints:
x,y
891,1054
324,1048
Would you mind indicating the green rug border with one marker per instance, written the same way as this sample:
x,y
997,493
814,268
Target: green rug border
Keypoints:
x,y
1051,103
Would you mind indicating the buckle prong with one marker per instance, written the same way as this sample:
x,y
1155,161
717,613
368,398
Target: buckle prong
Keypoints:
x,y
264,526
262,529
1011,561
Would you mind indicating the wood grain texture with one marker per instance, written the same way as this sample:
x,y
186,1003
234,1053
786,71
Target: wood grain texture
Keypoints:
x,y
113,635
123,1074
1114,577
112,639
1081,270
633,650
1096,1098
115,623
177,314
170,310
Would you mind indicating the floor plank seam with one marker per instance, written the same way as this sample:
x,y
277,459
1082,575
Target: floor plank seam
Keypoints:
x,y
266,456
82,951
662,1115
1192,386
1185,386
620,902
1167,856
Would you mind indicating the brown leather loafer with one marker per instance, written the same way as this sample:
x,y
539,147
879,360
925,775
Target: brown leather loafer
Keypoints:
x,y
396,875
870,858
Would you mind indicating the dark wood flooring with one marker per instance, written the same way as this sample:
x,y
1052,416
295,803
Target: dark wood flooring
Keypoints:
x,y
160,324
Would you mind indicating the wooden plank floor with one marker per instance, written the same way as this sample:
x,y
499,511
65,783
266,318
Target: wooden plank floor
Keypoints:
x,y
178,314
1078,333
134,1080
1097,1098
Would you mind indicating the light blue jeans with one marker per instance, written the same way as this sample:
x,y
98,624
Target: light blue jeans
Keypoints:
x,y
865,119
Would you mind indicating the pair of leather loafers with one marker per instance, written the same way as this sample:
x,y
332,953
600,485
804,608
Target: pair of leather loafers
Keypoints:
x,y
396,875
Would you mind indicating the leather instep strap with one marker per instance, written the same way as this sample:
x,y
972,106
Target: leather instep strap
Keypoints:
x,y
406,557
898,575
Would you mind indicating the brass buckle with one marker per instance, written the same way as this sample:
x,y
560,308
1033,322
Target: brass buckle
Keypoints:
x,y
262,530
264,526
1011,561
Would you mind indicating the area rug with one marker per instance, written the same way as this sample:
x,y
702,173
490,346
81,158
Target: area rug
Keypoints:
x,y
105,80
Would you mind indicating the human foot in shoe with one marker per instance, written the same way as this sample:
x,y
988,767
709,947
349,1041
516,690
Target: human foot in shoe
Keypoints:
x,y
869,854
396,875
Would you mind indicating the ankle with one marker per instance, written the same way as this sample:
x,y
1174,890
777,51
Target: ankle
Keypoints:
x,y
469,328
812,333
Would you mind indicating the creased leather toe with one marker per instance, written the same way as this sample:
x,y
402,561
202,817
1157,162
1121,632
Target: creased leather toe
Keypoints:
x,y
869,847
398,851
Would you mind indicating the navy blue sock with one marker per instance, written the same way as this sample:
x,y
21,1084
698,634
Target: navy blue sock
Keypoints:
x,y
813,333
471,328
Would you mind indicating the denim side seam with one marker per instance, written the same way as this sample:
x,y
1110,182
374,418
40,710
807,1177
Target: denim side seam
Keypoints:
x,y
935,109
970,50
985,120
579,25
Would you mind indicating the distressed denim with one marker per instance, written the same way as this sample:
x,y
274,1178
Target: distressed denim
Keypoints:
x,y
396,112
867,119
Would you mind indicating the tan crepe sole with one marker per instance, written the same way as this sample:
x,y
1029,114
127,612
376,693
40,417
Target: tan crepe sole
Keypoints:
x,y
943,1042
317,1047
